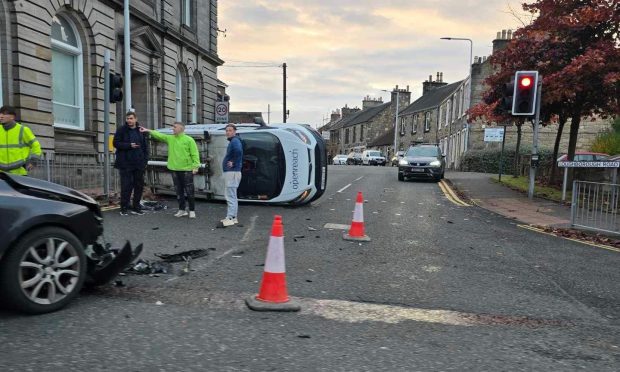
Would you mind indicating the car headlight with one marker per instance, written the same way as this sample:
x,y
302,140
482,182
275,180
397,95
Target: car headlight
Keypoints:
x,y
435,163
403,162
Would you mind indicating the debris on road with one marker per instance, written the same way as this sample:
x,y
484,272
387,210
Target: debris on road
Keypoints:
x,y
182,256
310,228
150,205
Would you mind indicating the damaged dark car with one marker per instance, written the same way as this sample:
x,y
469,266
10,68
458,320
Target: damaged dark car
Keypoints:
x,y
51,245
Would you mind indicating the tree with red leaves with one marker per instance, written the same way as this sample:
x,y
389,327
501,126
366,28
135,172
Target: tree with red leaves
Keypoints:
x,y
574,44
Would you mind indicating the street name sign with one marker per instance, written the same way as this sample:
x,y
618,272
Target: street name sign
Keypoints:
x,y
589,164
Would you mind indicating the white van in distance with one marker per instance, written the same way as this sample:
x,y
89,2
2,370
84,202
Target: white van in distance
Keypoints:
x,y
372,157
282,163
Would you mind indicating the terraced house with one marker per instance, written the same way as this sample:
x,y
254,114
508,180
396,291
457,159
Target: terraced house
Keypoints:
x,y
439,116
52,54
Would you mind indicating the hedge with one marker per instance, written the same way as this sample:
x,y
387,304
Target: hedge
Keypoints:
x,y
487,160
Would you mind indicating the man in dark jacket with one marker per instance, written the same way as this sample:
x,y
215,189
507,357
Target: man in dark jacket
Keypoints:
x,y
232,173
132,154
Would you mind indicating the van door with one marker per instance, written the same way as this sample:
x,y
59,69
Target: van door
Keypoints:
x,y
263,169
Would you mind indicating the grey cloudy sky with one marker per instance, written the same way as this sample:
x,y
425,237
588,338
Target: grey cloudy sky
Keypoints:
x,y
337,52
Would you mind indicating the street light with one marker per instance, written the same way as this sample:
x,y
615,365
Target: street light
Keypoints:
x,y
471,49
395,118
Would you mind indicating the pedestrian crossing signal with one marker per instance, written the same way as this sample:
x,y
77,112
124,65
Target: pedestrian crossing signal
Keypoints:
x,y
116,88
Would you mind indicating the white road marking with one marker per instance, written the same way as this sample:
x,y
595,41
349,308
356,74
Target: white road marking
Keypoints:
x,y
344,188
247,234
357,179
336,226
208,263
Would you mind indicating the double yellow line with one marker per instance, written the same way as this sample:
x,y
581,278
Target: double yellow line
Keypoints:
x,y
451,195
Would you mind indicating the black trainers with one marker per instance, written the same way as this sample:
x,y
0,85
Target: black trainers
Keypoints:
x,y
124,212
137,212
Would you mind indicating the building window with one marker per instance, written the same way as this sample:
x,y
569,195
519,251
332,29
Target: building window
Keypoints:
x,y
186,17
402,125
179,96
362,133
346,136
427,121
194,101
67,75
448,113
354,129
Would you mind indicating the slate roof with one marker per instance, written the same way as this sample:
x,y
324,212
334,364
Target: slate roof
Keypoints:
x,y
431,99
364,115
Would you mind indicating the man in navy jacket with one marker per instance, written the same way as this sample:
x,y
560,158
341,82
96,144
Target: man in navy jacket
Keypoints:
x,y
132,154
232,173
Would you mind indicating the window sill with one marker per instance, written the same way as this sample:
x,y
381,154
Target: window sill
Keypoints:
x,y
68,130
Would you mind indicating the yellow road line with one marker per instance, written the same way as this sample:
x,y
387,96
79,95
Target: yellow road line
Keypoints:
x,y
447,190
450,197
607,247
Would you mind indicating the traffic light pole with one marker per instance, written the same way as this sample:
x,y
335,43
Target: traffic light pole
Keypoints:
x,y
534,158
106,125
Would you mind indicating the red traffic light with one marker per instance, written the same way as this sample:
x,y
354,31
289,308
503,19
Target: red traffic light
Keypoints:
x,y
525,82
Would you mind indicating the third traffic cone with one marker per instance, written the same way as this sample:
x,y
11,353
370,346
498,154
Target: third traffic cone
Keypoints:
x,y
273,295
356,232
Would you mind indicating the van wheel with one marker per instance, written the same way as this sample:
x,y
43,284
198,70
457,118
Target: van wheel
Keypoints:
x,y
43,272
401,177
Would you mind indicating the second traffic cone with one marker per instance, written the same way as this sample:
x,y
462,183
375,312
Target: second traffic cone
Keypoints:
x,y
273,295
356,231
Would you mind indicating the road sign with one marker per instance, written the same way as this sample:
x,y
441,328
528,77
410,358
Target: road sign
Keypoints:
x,y
589,164
493,134
221,112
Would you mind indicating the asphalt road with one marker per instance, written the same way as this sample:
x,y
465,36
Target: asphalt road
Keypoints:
x,y
439,287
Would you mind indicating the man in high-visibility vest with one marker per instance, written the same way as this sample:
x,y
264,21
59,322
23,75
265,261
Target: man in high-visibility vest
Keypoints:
x,y
19,148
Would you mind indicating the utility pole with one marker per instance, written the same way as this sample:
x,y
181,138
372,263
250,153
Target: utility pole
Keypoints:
x,y
268,114
106,124
127,48
284,92
534,158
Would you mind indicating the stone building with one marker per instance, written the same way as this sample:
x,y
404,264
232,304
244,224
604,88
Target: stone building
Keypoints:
x,y
439,116
357,128
52,55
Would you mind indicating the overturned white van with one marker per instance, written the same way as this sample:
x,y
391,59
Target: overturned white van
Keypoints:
x,y
282,163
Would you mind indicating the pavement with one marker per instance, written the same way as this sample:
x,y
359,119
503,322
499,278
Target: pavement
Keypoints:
x,y
482,191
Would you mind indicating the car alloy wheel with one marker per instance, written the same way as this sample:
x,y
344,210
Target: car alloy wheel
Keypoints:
x,y
44,271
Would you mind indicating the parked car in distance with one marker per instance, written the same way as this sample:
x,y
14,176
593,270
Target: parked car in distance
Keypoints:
x,y
422,161
354,158
49,245
372,157
396,158
339,160
585,156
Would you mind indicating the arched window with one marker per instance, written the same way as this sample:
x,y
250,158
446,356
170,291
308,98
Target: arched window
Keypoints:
x,y
67,75
179,96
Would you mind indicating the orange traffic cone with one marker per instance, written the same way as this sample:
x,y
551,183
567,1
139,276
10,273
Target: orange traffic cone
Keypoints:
x,y
356,231
273,295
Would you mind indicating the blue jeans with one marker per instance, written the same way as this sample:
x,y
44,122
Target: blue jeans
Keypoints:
x,y
232,180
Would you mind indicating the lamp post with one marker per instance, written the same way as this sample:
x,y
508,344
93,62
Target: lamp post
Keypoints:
x,y
395,119
471,49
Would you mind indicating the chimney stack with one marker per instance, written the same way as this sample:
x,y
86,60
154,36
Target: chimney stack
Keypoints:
x,y
429,85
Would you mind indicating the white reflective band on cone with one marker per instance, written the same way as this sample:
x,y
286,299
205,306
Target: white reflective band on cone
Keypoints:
x,y
358,214
275,255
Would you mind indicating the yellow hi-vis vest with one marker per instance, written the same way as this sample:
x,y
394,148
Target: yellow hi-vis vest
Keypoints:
x,y
18,146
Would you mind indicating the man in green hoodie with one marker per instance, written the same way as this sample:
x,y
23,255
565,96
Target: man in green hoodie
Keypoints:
x,y
183,161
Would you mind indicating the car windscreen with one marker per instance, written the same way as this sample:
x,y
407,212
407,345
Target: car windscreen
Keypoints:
x,y
264,166
374,153
422,151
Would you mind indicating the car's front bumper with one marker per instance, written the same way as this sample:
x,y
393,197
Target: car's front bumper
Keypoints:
x,y
419,172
